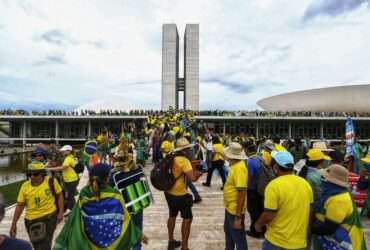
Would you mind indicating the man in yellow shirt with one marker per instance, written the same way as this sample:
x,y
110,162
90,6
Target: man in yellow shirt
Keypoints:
x,y
217,161
235,192
70,177
39,195
288,200
177,197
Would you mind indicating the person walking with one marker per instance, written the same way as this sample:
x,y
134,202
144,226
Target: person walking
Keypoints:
x,y
100,219
217,162
178,199
39,196
235,191
338,223
125,175
287,203
69,175
315,159
254,198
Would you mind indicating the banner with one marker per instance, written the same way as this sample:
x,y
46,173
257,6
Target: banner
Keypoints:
x,y
350,137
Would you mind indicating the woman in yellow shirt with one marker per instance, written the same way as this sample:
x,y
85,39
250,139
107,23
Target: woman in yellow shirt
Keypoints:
x,y
39,196
70,177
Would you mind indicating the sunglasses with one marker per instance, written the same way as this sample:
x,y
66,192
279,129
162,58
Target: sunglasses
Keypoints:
x,y
34,174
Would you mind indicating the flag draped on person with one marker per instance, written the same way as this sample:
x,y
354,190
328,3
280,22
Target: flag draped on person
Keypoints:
x,y
350,137
103,224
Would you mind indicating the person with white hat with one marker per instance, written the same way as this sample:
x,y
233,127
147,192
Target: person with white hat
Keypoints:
x,y
69,175
337,219
287,205
235,192
178,199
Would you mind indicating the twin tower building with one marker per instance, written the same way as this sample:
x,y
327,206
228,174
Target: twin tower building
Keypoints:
x,y
172,83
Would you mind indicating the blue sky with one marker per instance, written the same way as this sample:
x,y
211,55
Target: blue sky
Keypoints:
x,y
108,53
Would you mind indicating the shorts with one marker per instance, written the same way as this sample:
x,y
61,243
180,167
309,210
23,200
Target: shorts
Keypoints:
x,y
180,204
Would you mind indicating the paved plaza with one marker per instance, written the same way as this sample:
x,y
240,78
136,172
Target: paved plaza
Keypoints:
x,y
207,229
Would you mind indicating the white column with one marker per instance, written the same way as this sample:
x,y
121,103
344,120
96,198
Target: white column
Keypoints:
x,y
322,130
89,129
56,129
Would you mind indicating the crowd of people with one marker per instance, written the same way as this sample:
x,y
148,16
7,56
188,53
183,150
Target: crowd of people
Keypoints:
x,y
224,113
296,192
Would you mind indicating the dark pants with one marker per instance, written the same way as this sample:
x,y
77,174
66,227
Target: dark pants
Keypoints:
x,y
51,223
255,207
219,165
71,190
138,221
234,237
193,189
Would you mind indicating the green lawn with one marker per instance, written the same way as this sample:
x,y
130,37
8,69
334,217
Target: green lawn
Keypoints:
x,y
10,192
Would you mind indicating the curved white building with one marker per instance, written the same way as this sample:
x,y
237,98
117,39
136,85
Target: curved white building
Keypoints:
x,y
354,98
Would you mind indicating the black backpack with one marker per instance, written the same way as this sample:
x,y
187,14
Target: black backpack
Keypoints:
x,y
79,168
161,175
265,175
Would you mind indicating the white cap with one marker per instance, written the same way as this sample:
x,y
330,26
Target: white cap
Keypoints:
x,y
66,148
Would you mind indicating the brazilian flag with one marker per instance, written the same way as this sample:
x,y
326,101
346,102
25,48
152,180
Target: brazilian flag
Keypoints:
x,y
103,224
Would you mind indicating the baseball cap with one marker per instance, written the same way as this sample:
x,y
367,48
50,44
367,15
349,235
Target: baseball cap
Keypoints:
x,y
316,155
66,148
283,158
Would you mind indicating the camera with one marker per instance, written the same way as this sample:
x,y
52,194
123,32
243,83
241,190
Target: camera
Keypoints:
x,y
200,166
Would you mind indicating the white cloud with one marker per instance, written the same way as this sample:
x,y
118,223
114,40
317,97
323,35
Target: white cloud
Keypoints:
x,y
83,52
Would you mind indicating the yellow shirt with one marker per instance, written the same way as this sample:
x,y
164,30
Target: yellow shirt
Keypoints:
x,y
340,216
266,158
181,166
279,147
290,196
69,174
236,180
218,151
39,199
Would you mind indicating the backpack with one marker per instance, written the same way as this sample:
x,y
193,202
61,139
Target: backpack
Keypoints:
x,y
161,175
265,175
54,193
79,168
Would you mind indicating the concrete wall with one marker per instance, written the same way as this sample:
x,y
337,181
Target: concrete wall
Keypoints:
x,y
170,65
191,69
355,98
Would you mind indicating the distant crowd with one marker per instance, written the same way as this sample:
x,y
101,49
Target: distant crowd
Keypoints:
x,y
225,113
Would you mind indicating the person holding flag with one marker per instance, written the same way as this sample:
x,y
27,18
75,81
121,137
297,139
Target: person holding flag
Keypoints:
x,y
100,219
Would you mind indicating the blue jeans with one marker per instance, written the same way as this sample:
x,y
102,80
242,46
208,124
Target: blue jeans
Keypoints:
x,y
234,237
268,246
193,189
138,220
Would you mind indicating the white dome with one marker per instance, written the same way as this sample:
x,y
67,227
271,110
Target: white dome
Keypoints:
x,y
354,98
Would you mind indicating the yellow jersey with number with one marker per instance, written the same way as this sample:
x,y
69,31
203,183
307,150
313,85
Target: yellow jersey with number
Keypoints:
x,y
39,200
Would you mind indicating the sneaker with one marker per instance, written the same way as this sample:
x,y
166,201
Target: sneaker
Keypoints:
x,y
206,184
173,244
195,201
254,234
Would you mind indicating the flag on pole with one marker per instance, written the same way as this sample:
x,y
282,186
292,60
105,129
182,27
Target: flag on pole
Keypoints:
x,y
350,137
